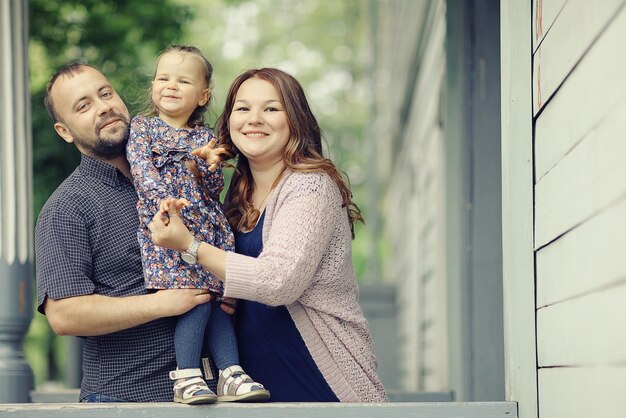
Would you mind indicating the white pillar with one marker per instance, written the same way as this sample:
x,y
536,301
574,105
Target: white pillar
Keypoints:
x,y
16,243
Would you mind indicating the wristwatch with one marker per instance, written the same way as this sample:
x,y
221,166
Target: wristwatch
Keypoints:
x,y
191,254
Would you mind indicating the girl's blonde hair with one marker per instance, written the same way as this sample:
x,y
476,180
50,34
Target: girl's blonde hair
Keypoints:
x,y
197,117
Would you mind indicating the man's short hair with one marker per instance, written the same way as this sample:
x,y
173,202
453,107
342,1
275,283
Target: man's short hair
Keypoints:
x,y
69,70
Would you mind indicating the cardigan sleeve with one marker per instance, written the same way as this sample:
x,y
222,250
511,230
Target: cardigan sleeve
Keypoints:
x,y
301,226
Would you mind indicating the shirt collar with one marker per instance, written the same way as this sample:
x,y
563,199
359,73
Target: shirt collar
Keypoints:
x,y
103,171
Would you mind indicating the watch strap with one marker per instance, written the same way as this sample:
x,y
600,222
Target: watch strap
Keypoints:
x,y
190,255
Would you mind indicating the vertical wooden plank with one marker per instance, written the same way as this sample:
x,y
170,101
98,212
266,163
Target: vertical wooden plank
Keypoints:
x,y
457,188
486,207
473,203
517,206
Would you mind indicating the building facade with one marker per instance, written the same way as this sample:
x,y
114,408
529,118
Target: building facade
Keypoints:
x,y
437,112
505,190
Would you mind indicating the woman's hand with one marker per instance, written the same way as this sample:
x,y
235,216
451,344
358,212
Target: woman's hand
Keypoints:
x,y
210,154
228,305
167,229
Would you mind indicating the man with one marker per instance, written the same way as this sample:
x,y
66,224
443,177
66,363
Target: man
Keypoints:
x,y
89,273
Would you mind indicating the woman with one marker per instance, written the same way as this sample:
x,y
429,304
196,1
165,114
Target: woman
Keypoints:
x,y
301,329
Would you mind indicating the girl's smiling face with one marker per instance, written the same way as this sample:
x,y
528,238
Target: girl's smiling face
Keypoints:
x,y
179,87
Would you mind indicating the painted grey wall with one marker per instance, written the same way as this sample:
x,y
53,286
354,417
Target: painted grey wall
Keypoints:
x,y
379,306
474,244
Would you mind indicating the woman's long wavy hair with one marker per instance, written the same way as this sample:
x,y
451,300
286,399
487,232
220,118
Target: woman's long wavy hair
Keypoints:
x,y
197,117
303,152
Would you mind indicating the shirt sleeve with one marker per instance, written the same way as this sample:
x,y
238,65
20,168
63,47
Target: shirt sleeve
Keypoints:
x,y
299,237
63,254
145,175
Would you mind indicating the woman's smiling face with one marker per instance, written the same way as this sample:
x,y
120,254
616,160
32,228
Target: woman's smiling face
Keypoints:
x,y
258,123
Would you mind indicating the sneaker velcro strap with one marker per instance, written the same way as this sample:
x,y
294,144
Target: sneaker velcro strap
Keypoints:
x,y
191,382
185,373
234,385
227,372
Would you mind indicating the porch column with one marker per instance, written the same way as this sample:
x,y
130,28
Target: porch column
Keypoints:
x,y
16,243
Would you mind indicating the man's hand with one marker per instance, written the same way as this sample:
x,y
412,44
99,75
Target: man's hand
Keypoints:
x,y
174,302
98,315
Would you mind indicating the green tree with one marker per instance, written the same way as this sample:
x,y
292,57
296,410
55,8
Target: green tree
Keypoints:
x,y
119,37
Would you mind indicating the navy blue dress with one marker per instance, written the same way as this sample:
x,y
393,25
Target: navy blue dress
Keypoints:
x,y
271,349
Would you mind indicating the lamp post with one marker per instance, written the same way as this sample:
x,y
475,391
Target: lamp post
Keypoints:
x,y
16,243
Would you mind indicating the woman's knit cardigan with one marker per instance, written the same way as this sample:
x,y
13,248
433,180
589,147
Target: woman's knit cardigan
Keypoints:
x,y
306,265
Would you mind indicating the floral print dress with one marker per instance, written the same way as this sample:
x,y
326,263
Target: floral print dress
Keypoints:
x,y
160,157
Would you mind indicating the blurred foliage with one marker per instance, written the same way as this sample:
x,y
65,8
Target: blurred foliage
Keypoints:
x,y
323,43
121,38
117,36
326,46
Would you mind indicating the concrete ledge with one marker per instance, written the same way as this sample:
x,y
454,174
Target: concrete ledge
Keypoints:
x,y
55,396
72,395
399,396
264,410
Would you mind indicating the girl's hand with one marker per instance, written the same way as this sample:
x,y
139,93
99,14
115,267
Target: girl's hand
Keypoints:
x,y
210,154
167,229
171,205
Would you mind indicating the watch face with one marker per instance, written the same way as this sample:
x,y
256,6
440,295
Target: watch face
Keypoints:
x,y
188,258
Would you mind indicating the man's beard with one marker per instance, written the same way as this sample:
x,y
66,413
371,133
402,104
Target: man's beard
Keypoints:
x,y
107,147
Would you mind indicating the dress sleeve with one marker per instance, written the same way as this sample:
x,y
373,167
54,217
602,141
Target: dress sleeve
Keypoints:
x,y
300,235
145,175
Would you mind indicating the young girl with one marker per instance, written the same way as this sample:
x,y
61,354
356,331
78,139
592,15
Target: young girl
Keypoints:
x,y
159,152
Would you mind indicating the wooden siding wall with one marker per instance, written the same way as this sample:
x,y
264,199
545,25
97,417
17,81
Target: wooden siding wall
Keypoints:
x,y
579,109
411,78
